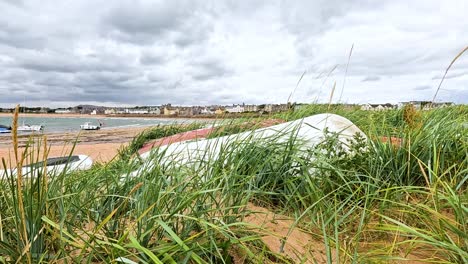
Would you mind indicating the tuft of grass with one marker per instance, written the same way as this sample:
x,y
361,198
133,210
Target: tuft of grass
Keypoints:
x,y
412,117
157,132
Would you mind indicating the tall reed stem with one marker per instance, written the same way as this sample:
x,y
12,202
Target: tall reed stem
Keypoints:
x,y
19,181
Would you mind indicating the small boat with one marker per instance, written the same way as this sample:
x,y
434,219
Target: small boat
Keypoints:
x,y
90,126
310,130
197,134
5,129
30,128
54,165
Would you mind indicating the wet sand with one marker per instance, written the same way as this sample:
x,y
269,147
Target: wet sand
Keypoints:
x,y
101,145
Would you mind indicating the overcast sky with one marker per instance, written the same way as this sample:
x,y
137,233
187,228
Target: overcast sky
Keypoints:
x,y
68,52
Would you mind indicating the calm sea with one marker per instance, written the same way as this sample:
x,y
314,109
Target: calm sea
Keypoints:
x,y
64,124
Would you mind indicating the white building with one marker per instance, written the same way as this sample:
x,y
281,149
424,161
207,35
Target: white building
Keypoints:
x,y
366,107
155,110
235,109
137,111
62,111
250,108
206,111
110,111
377,107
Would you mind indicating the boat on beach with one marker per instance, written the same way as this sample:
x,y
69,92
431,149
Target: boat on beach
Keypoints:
x,y
311,130
90,126
5,129
30,128
54,165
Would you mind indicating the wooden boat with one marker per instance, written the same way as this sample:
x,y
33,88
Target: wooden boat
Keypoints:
x,y
55,166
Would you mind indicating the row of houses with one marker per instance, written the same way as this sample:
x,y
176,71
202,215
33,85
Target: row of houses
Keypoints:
x,y
170,110
167,110
419,105
263,108
39,110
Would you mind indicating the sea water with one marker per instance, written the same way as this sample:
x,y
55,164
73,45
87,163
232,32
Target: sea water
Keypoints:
x,y
68,124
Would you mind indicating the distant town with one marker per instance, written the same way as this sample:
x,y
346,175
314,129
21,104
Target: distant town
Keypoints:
x,y
169,110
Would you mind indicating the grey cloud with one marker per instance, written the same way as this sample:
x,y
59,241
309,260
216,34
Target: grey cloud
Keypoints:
x,y
110,92
210,69
98,84
56,80
371,79
13,75
149,19
149,58
50,66
385,43
69,63
100,78
450,75
422,88
178,22
311,17
17,3
155,77
19,37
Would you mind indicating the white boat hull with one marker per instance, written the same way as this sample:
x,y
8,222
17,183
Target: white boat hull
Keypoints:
x,y
30,128
310,130
55,166
89,127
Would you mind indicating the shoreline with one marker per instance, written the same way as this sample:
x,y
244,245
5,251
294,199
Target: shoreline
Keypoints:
x,y
101,145
71,115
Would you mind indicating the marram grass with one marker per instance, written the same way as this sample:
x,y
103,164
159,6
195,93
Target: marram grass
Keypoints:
x,y
379,203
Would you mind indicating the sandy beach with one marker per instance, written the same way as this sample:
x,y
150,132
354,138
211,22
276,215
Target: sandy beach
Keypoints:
x,y
101,145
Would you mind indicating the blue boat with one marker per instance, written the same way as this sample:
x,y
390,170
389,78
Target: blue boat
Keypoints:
x,y
5,129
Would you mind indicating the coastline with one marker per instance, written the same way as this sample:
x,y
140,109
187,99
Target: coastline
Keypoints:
x,y
201,117
101,145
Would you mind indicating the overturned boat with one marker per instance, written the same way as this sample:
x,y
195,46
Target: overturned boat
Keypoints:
x,y
54,166
311,131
